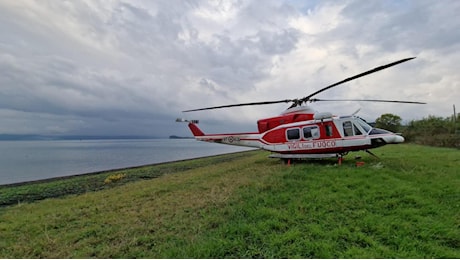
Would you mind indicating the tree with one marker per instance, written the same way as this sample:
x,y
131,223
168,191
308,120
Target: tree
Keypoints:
x,y
389,122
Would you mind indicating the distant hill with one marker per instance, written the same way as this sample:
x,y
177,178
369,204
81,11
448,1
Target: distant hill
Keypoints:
x,y
180,137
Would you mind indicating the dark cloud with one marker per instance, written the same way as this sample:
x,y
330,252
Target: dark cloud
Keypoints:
x,y
130,67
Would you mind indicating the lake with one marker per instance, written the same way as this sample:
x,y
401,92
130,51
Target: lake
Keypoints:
x,y
22,161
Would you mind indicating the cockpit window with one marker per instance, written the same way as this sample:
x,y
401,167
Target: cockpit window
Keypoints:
x,y
364,125
351,129
376,131
357,131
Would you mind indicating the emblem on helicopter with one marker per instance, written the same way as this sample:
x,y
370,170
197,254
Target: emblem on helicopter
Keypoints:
x,y
300,133
230,139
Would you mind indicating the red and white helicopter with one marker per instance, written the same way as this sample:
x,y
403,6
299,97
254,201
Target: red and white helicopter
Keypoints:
x,y
300,133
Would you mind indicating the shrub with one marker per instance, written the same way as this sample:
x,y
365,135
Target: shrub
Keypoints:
x,y
114,178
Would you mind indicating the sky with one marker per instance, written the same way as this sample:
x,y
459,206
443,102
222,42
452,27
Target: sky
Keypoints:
x,y
113,67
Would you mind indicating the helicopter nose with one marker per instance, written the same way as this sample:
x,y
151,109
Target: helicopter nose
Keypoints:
x,y
393,139
398,139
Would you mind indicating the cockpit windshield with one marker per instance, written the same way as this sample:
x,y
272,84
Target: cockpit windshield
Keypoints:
x,y
367,128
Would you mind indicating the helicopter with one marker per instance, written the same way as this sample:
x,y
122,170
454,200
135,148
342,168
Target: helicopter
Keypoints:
x,y
301,133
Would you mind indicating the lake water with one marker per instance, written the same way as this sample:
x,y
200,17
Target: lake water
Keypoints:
x,y
22,161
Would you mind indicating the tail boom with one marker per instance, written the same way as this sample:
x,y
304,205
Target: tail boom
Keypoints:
x,y
239,139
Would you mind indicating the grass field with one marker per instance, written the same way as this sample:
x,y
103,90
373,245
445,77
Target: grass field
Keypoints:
x,y
405,205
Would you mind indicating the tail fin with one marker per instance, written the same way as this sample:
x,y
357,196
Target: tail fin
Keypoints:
x,y
195,130
193,127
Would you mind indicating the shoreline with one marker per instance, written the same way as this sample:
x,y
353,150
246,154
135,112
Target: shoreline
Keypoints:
x,y
47,180
29,192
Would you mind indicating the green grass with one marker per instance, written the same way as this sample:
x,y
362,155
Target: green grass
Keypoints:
x,y
58,187
405,205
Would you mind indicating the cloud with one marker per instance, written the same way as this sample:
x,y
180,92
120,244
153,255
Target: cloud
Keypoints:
x,y
130,67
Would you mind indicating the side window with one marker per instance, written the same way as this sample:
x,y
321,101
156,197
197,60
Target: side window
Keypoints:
x,y
347,128
310,132
328,129
293,134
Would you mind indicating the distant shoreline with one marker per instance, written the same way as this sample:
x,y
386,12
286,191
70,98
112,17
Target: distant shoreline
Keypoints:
x,y
12,137
180,137
33,137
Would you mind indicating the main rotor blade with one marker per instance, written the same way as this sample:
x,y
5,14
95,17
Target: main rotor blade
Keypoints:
x,y
297,102
244,104
356,76
368,100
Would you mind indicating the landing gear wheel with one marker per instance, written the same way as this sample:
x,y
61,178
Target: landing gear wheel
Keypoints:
x,y
287,161
340,157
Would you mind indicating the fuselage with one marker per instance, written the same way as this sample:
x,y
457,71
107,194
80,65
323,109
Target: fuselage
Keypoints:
x,y
324,134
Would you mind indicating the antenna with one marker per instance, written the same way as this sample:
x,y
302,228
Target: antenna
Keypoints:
x,y
455,120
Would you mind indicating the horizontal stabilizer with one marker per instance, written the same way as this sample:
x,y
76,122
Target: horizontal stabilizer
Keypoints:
x,y
187,121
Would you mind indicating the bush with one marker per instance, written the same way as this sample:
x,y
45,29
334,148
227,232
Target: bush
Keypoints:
x,y
114,178
433,131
